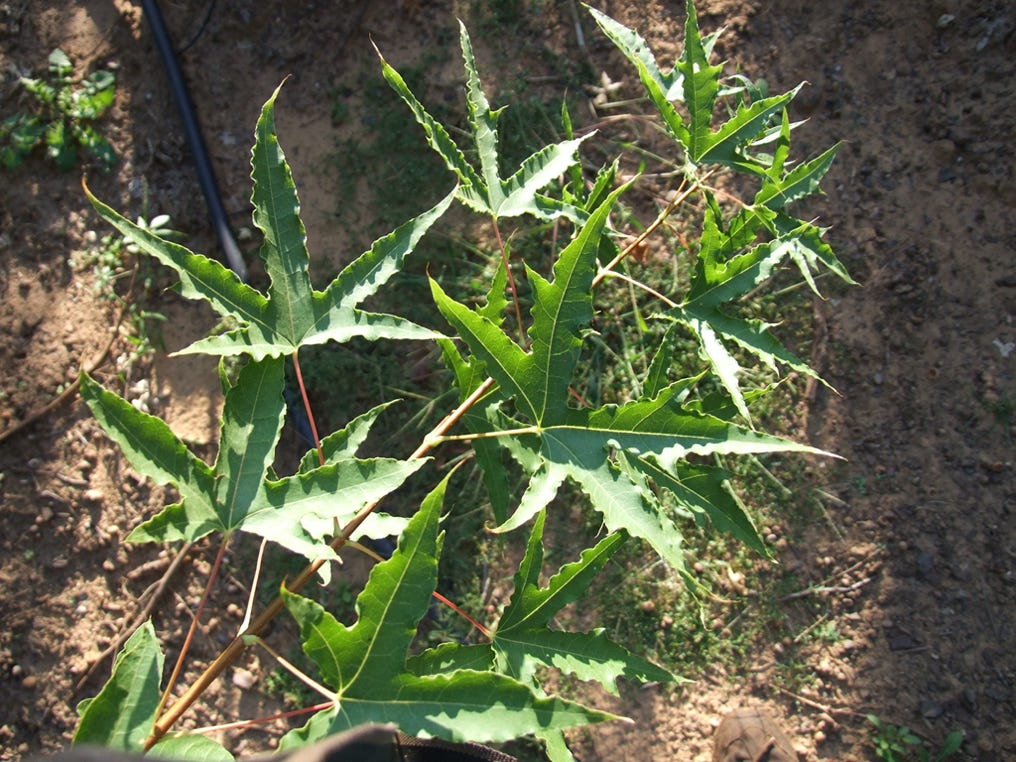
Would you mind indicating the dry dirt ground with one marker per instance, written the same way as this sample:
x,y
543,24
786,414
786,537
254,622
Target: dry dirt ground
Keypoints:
x,y
918,551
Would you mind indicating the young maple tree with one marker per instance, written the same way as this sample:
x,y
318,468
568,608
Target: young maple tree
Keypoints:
x,y
633,461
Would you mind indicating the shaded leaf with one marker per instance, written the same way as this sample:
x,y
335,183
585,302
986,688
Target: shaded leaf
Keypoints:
x,y
194,748
121,716
365,664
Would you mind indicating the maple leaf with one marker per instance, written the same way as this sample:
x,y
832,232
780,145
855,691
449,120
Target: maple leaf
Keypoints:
x,y
696,83
522,640
292,314
122,714
611,452
234,493
484,190
365,664
731,262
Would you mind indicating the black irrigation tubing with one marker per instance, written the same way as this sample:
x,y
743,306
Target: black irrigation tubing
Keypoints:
x,y
195,141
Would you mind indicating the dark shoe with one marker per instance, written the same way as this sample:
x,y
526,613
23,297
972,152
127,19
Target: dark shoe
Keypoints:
x,y
751,735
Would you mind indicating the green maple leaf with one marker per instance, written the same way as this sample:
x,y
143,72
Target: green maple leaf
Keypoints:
x,y
611,452
484,190
292,314
522,641
365,664
234,493
696,83
121,716
731,262
722,277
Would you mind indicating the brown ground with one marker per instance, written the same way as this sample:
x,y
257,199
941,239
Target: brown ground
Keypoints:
x,y
919,540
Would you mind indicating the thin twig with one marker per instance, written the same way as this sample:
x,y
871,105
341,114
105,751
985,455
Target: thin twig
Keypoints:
x,y
306,406
71,390
679,198
253,586
822,585
299,674
640,285
511,282
821,707
157,592
263,720
143,570
580,37
823,590
488,434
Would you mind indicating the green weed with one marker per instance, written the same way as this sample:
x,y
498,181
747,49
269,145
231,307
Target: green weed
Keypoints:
x,y
897,743
59,114
124,279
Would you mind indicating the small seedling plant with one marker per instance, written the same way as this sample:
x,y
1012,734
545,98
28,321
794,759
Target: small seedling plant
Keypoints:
x,y
59,115
117,272
896,743
513,354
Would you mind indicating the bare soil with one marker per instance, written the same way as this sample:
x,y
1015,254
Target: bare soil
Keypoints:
x,y
916,556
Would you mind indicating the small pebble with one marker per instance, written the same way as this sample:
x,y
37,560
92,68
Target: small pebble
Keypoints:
x,y
94,495
243,679
29,682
